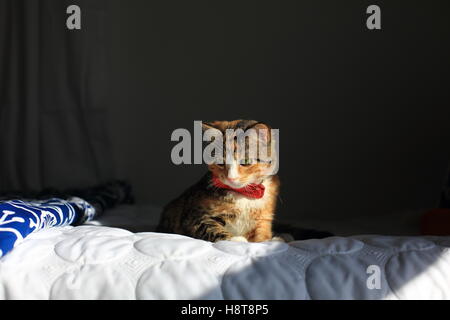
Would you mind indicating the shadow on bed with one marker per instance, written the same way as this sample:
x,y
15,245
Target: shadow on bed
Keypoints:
x,y
409,268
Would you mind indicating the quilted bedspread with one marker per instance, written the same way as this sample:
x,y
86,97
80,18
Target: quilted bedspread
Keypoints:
x,y
92,262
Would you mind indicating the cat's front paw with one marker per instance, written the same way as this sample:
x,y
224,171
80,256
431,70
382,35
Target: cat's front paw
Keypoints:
x,y
239,239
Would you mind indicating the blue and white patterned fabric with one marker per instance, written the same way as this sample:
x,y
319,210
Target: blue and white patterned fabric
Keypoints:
x,y
19,218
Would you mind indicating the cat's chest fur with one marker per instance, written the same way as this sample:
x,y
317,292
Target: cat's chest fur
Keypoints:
x,y
247,211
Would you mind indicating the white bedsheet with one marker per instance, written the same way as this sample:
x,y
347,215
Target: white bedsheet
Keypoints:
x,y
92,262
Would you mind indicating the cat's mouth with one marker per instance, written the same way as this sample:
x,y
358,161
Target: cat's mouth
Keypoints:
x,y
230,183
234,184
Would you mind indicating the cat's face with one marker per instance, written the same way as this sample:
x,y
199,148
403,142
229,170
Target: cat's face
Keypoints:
x,y
241,167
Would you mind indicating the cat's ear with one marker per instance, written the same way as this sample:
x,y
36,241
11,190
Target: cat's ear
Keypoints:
x,y
207,126
267,146
263,131
212,143
211,131
219,125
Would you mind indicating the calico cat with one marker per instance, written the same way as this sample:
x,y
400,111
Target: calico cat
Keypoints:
x,y
234,201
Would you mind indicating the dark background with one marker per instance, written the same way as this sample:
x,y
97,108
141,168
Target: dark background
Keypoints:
x,y
363,115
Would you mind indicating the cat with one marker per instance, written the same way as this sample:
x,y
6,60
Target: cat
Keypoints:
x,y
233,201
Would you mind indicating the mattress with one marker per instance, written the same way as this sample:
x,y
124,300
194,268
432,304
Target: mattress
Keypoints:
x,y
144,218
98,262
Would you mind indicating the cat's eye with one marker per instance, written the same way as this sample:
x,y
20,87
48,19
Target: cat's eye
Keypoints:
x,y
264,161
246,162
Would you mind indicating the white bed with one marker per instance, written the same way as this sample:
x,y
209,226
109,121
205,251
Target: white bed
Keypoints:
x,y
98,262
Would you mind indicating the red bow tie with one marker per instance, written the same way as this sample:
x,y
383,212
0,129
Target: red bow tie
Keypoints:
x,y
253,190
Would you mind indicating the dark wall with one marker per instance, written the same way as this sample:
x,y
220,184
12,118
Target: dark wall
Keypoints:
x,y
363,115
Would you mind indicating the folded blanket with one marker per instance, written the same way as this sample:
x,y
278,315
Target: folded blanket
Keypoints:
x,y
22,213
19,218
